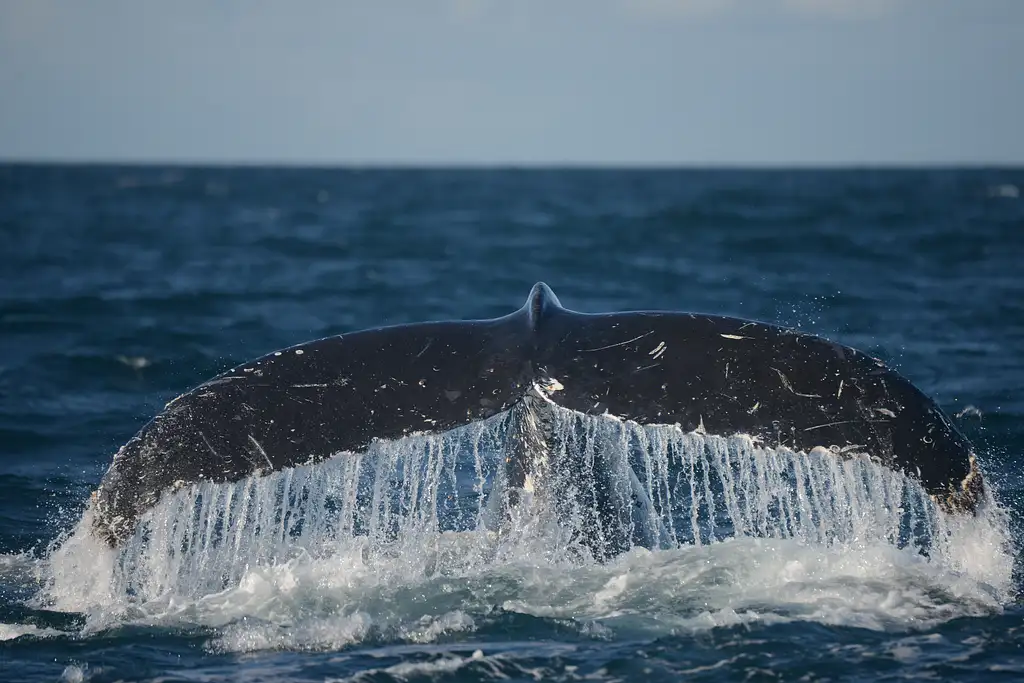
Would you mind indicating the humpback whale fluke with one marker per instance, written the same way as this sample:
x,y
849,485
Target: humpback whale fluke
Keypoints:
x,y
718,374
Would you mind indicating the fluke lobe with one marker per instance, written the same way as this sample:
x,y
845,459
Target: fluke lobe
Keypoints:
x,y
717,374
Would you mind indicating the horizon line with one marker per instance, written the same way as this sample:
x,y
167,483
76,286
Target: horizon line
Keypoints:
x,y
398,165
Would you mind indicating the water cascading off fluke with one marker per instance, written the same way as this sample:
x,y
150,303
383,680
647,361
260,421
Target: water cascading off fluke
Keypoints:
x,y
625,484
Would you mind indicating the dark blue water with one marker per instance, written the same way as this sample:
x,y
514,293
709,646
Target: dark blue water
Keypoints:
x,y
122,287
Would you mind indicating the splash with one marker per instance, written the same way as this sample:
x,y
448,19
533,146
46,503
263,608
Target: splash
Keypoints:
x,y
415,538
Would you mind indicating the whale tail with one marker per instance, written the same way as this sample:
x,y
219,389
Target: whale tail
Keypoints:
x,y
713,374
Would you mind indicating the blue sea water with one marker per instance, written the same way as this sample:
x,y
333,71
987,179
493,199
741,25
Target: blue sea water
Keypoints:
x,y
121,287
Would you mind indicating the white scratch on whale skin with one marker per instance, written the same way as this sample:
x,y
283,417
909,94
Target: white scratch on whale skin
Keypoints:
x,y
646,367
785,383
223,379
657,351
262,452
424,349
829,424
623,343
733,336
209,445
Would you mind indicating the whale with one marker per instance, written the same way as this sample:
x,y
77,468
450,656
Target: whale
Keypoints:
x,y
715,374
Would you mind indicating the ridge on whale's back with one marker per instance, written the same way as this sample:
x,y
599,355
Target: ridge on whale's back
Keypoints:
x,y
717,374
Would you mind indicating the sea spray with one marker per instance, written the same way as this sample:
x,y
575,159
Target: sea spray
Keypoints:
x,y
430,505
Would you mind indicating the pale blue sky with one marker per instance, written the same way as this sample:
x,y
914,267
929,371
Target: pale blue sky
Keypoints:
x,y
514,81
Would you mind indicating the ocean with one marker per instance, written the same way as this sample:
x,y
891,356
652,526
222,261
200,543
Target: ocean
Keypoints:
x,y
122,287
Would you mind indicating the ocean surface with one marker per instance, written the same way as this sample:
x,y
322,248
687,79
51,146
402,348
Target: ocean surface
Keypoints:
x,y
122,287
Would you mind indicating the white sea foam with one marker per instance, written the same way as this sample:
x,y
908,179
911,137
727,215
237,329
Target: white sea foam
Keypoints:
x,y
405,541
12,631
74,673
431,669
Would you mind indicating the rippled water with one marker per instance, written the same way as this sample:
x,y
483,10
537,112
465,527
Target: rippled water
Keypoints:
x,y
121,287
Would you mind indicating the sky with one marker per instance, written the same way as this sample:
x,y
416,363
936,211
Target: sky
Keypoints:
x,y
522,82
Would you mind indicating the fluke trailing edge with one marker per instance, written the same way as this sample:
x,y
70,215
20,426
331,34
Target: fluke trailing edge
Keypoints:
x,y
722,375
